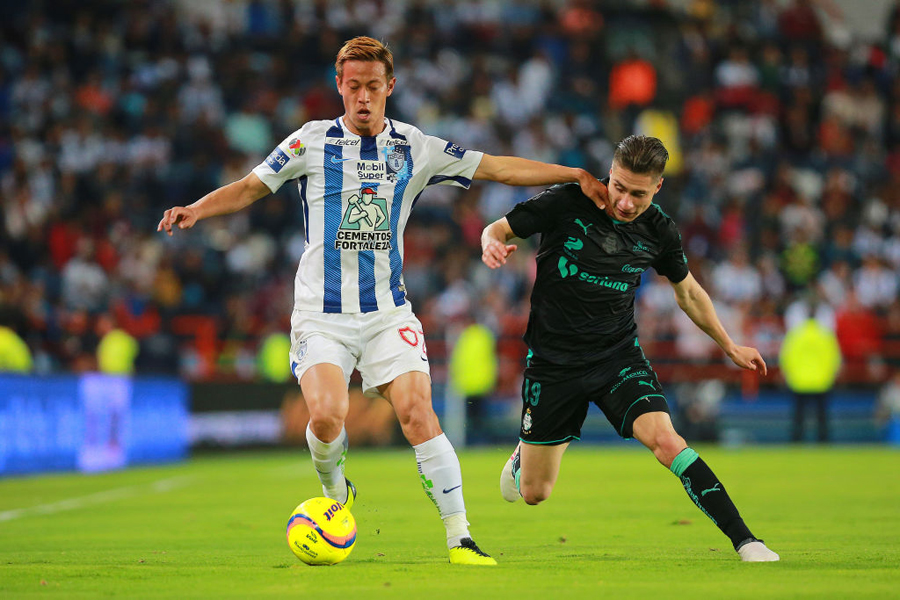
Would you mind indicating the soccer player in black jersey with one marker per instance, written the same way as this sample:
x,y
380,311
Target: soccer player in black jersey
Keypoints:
x,y
582,336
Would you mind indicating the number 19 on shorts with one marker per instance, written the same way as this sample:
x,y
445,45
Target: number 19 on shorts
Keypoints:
x,y
531,392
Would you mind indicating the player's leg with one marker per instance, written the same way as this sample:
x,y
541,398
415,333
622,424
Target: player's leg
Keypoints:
x,y
325,392
322,363
539,469
655,431
410,395
394,364
439,470
327,400
554,407
634,402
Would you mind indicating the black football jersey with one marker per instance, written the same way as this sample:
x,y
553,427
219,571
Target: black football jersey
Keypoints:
x,y
588,268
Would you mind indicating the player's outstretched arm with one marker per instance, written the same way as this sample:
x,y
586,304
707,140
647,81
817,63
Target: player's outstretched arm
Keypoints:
x,y
494,248
513,170
696,304
225,200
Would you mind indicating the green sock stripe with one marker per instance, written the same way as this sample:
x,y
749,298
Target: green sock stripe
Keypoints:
x,y
684,459
517,481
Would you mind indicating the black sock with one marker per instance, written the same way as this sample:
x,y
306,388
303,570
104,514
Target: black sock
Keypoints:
x,y
708,493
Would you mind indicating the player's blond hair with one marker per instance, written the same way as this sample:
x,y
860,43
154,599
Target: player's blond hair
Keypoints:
x,y
365,49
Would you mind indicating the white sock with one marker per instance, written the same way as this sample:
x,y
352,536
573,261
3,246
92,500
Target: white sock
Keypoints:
x,y
457,529
328,459
441,479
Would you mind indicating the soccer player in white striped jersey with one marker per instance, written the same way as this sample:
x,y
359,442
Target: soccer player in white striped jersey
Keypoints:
x,y
359,177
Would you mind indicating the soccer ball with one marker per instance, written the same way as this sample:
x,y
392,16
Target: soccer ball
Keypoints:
x,y
321,531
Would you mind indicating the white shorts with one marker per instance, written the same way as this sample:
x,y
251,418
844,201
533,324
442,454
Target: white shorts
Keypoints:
x,y
382,345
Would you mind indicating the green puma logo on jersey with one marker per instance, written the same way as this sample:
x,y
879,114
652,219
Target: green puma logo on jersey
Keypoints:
x,y
648,384
582,225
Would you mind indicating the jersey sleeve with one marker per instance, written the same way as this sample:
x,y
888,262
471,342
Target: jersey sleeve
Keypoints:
x,y
286,162
538,214
450,164
672,261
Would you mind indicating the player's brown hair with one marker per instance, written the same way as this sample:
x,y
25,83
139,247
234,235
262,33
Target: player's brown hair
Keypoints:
x,y
365,49
641,154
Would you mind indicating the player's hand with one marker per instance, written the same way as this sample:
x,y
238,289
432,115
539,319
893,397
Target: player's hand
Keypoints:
x,y
594,189
182,216
749,358
494,252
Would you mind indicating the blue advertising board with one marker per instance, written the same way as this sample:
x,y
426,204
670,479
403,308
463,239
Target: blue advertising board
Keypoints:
x,y
91,422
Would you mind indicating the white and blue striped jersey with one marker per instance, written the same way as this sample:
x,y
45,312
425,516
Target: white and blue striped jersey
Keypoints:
x,y
357,195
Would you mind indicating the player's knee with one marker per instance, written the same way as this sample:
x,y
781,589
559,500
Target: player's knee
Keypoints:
x,y
419,422
668,445
417,414
535,493
326,426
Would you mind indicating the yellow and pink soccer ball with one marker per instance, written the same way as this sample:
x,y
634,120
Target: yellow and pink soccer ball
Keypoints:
x,y
321,531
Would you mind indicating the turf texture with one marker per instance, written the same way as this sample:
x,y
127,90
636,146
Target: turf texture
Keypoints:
x,y
618,525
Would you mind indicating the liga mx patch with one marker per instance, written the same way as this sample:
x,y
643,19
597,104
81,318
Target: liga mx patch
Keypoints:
x,y
453,150
296,147
277,159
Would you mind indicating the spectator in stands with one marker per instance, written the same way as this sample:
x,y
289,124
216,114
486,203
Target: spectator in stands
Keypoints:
x,y
858,331
15,356
473,375
632,82
119,106
737,79
810,360
84,283
874,284
813,304
799,22
117,350
736,280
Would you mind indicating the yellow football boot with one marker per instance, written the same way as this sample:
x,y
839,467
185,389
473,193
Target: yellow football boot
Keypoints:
x,y
468,553
351,494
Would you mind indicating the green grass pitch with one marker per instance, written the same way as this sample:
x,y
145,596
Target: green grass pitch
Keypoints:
x,y
617,526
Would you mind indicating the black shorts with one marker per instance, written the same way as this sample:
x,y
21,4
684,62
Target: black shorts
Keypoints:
x,y
555,398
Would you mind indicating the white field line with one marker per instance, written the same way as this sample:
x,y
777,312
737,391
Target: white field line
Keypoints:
x,y
157,487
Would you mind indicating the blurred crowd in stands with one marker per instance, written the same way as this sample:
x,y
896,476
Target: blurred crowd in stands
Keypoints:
x,y
783,127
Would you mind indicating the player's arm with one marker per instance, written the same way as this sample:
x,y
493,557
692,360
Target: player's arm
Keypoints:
x,y
494,248
696,304
225,200
513,170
